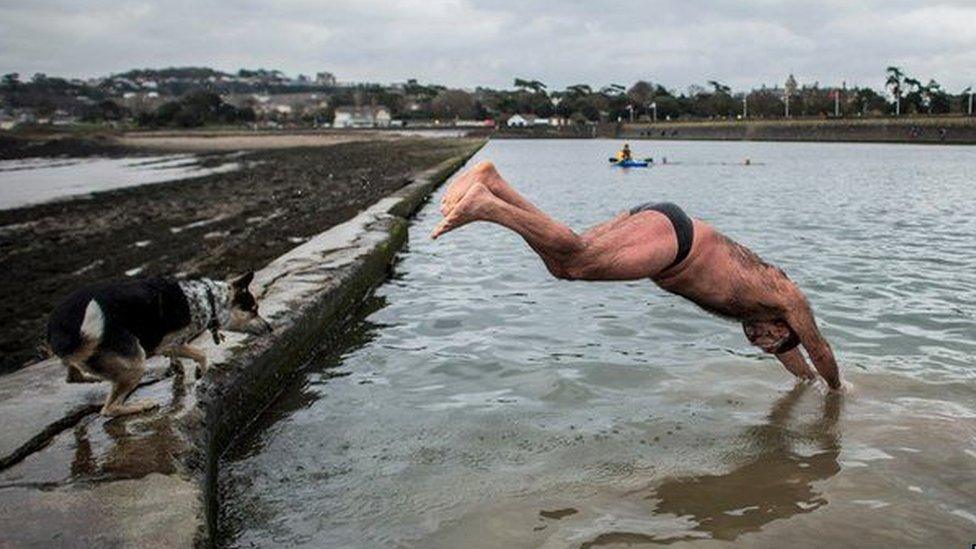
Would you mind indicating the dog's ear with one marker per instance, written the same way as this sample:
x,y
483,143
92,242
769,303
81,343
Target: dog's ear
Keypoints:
x,y
243,281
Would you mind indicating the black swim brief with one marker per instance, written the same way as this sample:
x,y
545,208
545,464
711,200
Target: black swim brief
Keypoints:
x,y
684,229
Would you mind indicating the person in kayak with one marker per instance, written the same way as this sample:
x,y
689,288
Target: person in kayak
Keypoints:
x,y
624,154
683,256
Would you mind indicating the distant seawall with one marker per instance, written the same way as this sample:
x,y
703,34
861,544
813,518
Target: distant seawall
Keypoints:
x,y
958,131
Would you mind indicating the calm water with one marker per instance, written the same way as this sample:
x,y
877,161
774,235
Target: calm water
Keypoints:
x,y
34,180
481,403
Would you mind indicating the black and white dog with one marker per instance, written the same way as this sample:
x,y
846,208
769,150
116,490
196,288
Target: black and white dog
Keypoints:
x,y
107,331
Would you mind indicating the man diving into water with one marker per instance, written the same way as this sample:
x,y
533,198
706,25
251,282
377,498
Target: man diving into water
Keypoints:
x,y
683,256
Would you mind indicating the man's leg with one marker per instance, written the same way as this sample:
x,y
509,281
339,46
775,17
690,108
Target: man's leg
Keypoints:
x,y
597,231
485,173
638,246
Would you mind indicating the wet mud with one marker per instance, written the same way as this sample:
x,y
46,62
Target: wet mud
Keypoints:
x,y
29,146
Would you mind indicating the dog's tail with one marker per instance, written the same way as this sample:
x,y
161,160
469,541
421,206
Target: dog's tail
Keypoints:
x,y
91,332
93,326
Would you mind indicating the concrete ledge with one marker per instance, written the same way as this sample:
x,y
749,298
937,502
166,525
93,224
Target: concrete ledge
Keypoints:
x,y
69,477
918,130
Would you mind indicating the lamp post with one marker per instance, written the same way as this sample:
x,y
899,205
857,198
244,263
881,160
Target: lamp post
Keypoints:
x,y
745,106
555,108
654,109
971,90
789,90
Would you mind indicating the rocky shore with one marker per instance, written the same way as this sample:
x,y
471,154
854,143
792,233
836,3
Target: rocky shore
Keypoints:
x,y
214,225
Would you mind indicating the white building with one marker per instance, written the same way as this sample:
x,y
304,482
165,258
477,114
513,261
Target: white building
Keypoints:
x,y
7,122
521,120
362,117
281,105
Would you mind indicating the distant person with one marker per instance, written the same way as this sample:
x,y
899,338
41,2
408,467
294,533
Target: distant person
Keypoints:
x,y
683,256
623,154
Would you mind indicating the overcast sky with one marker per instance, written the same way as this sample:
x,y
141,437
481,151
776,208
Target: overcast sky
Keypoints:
x,y
465,43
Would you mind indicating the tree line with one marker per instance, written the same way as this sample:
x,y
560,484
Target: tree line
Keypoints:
x,y
201,104
644,100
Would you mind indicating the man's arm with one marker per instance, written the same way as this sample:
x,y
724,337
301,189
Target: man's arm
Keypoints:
x,y
800,318
794,362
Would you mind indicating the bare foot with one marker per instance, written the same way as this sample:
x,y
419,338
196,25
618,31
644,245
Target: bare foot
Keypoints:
x,y
466,210
480,173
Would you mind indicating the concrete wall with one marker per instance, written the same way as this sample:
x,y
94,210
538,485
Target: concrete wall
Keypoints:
x,y
887,130
69,477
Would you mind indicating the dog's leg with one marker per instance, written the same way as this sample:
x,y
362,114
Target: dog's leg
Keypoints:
x,y
76,375
176,368
196,355
125,373
175,364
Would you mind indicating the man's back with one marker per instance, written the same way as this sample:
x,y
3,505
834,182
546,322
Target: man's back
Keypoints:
x,y
727,279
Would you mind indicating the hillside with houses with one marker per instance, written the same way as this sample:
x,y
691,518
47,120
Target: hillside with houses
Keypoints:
x,y
198,96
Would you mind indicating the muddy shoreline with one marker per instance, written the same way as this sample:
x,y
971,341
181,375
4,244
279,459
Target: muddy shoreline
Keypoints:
x,y
213,225
15,147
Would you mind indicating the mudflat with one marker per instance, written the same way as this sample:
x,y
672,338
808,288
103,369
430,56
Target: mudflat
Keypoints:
x,y
213,225
236,141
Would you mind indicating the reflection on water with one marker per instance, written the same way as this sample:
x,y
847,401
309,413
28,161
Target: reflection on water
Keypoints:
x,y
99,448
36,180
483,404
777,483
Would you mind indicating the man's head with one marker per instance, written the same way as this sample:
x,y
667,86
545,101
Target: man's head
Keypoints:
x,y
773,336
